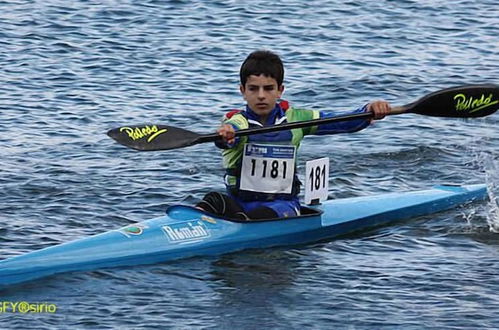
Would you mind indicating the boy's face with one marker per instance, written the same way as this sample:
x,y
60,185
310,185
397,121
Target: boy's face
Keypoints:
x,y
261,93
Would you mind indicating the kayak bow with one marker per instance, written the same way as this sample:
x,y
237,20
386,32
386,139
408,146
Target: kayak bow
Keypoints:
x,y
186,232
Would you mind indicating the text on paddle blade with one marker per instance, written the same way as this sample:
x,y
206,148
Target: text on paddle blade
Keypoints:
x,y
143,132
472,104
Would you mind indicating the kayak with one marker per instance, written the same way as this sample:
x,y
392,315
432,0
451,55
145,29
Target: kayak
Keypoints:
x,y
186,232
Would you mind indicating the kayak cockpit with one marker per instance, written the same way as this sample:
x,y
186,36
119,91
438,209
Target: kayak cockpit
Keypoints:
x,y
186,212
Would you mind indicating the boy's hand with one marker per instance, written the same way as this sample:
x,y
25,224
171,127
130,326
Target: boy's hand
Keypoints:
x,y
227,133
379,108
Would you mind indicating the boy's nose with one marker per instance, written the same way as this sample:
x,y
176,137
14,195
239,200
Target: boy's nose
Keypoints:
x,y
261,93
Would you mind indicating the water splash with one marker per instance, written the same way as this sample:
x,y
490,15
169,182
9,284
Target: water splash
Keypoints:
x,y
491,167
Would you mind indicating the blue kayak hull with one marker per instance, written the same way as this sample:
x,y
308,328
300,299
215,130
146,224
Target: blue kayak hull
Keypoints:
x,y
186,232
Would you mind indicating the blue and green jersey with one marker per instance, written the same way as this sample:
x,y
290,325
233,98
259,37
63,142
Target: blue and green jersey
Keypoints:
x,y
282,113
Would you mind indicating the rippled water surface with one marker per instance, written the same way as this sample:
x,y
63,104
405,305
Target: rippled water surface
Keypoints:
x,y
69,71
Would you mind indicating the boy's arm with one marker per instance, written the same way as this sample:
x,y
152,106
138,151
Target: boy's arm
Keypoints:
x,y
379,108
348,126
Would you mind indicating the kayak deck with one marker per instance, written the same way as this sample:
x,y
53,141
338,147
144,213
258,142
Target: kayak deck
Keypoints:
x,y
186,231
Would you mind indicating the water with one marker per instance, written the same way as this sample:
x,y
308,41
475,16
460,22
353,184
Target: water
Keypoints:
x,y
71,71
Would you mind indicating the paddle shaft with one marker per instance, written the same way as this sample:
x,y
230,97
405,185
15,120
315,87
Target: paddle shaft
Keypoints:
x,y
298,124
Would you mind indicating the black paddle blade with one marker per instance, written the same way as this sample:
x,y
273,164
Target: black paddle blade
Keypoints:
x,y
153,137
463,101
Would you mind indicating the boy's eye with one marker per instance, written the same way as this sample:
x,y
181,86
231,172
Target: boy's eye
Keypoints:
x,y
265,88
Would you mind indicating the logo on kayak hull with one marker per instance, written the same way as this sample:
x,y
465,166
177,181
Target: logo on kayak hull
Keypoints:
x,y
208,219
133,230
186,232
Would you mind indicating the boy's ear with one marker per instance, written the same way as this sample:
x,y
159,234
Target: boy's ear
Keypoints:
x,y
241,89
281,90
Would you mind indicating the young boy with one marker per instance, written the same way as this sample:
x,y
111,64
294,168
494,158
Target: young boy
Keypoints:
x,y
263,188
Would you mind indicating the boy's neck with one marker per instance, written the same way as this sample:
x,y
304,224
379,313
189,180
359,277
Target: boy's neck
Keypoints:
x,y
263,119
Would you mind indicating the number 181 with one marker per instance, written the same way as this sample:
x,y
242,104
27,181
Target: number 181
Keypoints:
x,y
317,178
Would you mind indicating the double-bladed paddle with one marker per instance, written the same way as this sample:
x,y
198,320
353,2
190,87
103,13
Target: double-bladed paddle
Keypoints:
x,y
458,102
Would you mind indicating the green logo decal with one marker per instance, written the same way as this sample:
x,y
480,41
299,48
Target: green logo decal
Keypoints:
x,y
133,230
472,104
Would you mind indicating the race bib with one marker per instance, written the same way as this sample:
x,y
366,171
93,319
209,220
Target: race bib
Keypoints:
x,y
268,168
316,180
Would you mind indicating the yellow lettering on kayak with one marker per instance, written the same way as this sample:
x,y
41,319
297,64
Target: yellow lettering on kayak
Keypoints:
x,y
208,219
472,104
149,132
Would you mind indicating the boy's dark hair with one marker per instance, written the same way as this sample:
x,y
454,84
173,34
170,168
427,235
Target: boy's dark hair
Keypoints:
x,y
262,62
